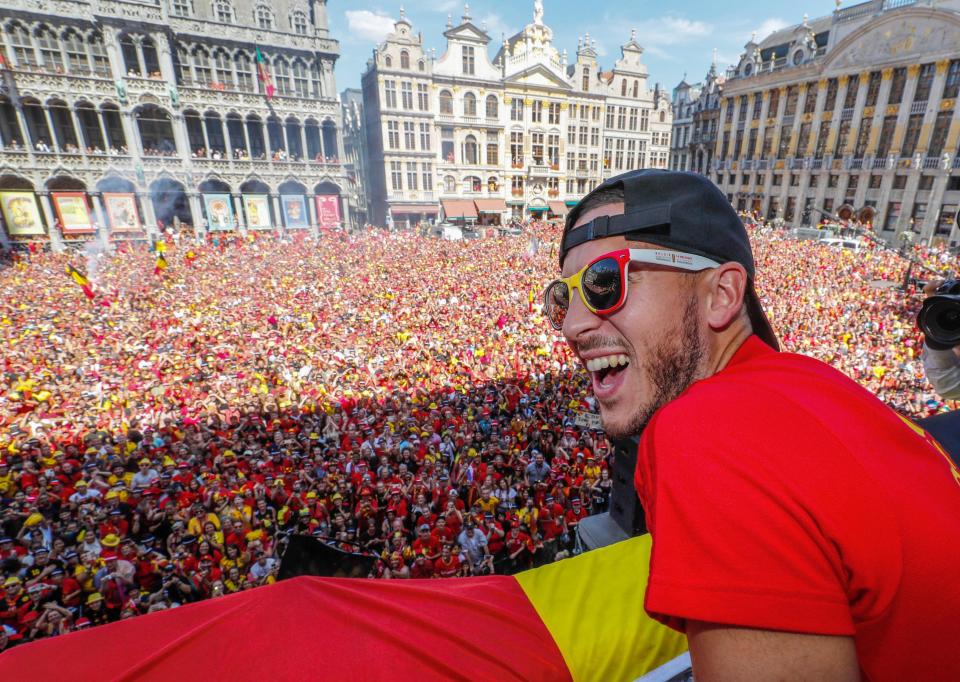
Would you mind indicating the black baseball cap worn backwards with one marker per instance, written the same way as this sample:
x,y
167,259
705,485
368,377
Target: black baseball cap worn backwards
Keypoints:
x,y
675,210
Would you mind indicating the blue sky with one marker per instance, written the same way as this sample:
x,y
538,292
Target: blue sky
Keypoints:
x,y
679,37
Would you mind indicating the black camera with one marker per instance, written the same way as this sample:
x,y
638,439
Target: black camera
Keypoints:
x,y
939,317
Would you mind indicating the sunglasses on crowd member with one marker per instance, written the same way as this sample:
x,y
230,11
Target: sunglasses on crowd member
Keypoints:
x,y
603,282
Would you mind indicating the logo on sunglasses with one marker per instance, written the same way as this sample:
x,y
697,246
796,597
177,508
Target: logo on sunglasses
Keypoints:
x,y
674,257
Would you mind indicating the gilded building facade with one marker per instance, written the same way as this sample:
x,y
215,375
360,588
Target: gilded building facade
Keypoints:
x,y
483,140
852,115
135,116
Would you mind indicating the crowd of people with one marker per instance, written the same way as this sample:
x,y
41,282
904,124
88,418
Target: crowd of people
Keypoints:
x,y
391,394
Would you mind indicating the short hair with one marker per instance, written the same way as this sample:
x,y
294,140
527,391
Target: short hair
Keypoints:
x,y
608,195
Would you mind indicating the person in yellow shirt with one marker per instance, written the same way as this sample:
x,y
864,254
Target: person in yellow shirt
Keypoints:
x,y
488,503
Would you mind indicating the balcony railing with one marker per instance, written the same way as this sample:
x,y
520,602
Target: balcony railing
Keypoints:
x,y
879,163
762,164
816,164
956,161
931,162
746,164
854,164
797,164
918,107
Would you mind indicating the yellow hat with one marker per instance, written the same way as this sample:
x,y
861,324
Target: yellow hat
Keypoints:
x,y
112,495
81,484
168,462
229,453
311,495
12,580
95,597
33,519
144,461
110,541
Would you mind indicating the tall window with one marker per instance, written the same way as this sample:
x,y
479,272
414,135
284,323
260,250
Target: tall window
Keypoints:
x,y
553,149
201,66
863,137
636,88
446,102
469,104
449,184
412,175
853,87
223,11
22,46
263,16
281,76
644,119
842,134
224,68
409,136
493,109
396,176
423,97
427,175
469,60
742,109
406,95
611,113
77,62
897,86
924,83
404,59
951,87
244,71
516,148
536,111
301,84
623,88
49,49
912,136
446,144
621,118
633,118
316,78
939,136
572,135
553,114
585,80
873,88
298,22
886,136
516,109
390,92
470,150
425,137
493,149
393,135
793,95
536,148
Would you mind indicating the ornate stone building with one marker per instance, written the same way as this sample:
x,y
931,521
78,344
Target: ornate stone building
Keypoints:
x,y
480,140
855,114
696,113
153,113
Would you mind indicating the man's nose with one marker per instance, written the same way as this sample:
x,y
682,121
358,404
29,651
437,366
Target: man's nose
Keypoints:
x,y
579,319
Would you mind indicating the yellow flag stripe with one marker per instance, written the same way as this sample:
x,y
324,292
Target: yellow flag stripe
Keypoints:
x,y
593,607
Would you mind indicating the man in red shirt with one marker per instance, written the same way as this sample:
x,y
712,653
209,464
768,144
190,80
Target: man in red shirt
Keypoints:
x,y
426,544
801,528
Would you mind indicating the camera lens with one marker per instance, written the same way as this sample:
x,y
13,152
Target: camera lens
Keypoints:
x,y
940,321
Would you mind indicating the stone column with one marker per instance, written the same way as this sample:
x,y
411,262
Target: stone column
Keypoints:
x,y
141,63
196,211
286,142
206,137
101,215
149,215
54,143
246,137
312,212
303,142
79,132
239,215
56,242
278,215
165,57
103,132
132,135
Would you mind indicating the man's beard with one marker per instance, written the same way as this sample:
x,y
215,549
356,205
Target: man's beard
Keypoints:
x,y
671,367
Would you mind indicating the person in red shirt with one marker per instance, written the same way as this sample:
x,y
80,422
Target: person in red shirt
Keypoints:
x,y
442,532
422,567
801,528
520,549
448,565
426,544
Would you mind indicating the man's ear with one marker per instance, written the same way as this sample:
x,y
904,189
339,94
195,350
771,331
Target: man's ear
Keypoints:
x,y
726,289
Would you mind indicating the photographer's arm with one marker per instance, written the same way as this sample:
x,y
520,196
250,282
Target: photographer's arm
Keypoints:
x,y
942,368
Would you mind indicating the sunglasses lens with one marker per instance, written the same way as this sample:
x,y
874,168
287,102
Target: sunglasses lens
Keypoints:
x,y
602,285
557,301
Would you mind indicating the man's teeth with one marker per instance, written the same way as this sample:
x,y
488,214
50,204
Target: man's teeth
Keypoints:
x,y
596,364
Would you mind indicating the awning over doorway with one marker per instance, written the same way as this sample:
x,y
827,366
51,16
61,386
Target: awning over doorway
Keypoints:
x,y
558,207
415,209
490,205
459,208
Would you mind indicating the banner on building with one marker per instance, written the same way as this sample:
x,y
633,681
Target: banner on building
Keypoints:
x,y
295,216
328,210
257,209
219,212
21,214
71,208
122,212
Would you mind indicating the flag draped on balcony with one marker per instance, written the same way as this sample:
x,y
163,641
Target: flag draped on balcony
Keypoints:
x,y
263,73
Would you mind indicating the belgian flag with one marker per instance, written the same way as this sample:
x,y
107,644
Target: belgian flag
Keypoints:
x,y
81,280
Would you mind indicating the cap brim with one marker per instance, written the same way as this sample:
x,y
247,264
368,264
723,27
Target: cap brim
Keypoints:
x,y
758,319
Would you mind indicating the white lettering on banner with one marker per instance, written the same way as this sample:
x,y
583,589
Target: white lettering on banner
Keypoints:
x,y
588,420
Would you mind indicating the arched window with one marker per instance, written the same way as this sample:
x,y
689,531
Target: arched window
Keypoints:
x,y
223,11
182,8
449,184
586,78
493,184
129,52
422,65
404,59
224,68
49,49
298,22
316,78
281,75
469,104
263,16
98,53
201,66
151,60
472,183
493,107
301,86
73,45
387,61
623,88
446,102
156,131
22,46
470,150
636,88
663,116
244,68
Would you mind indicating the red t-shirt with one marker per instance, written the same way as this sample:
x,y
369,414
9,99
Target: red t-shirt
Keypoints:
x,y
781,495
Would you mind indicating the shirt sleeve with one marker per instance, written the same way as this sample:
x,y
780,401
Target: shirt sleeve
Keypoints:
x,y
942,368
761,518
